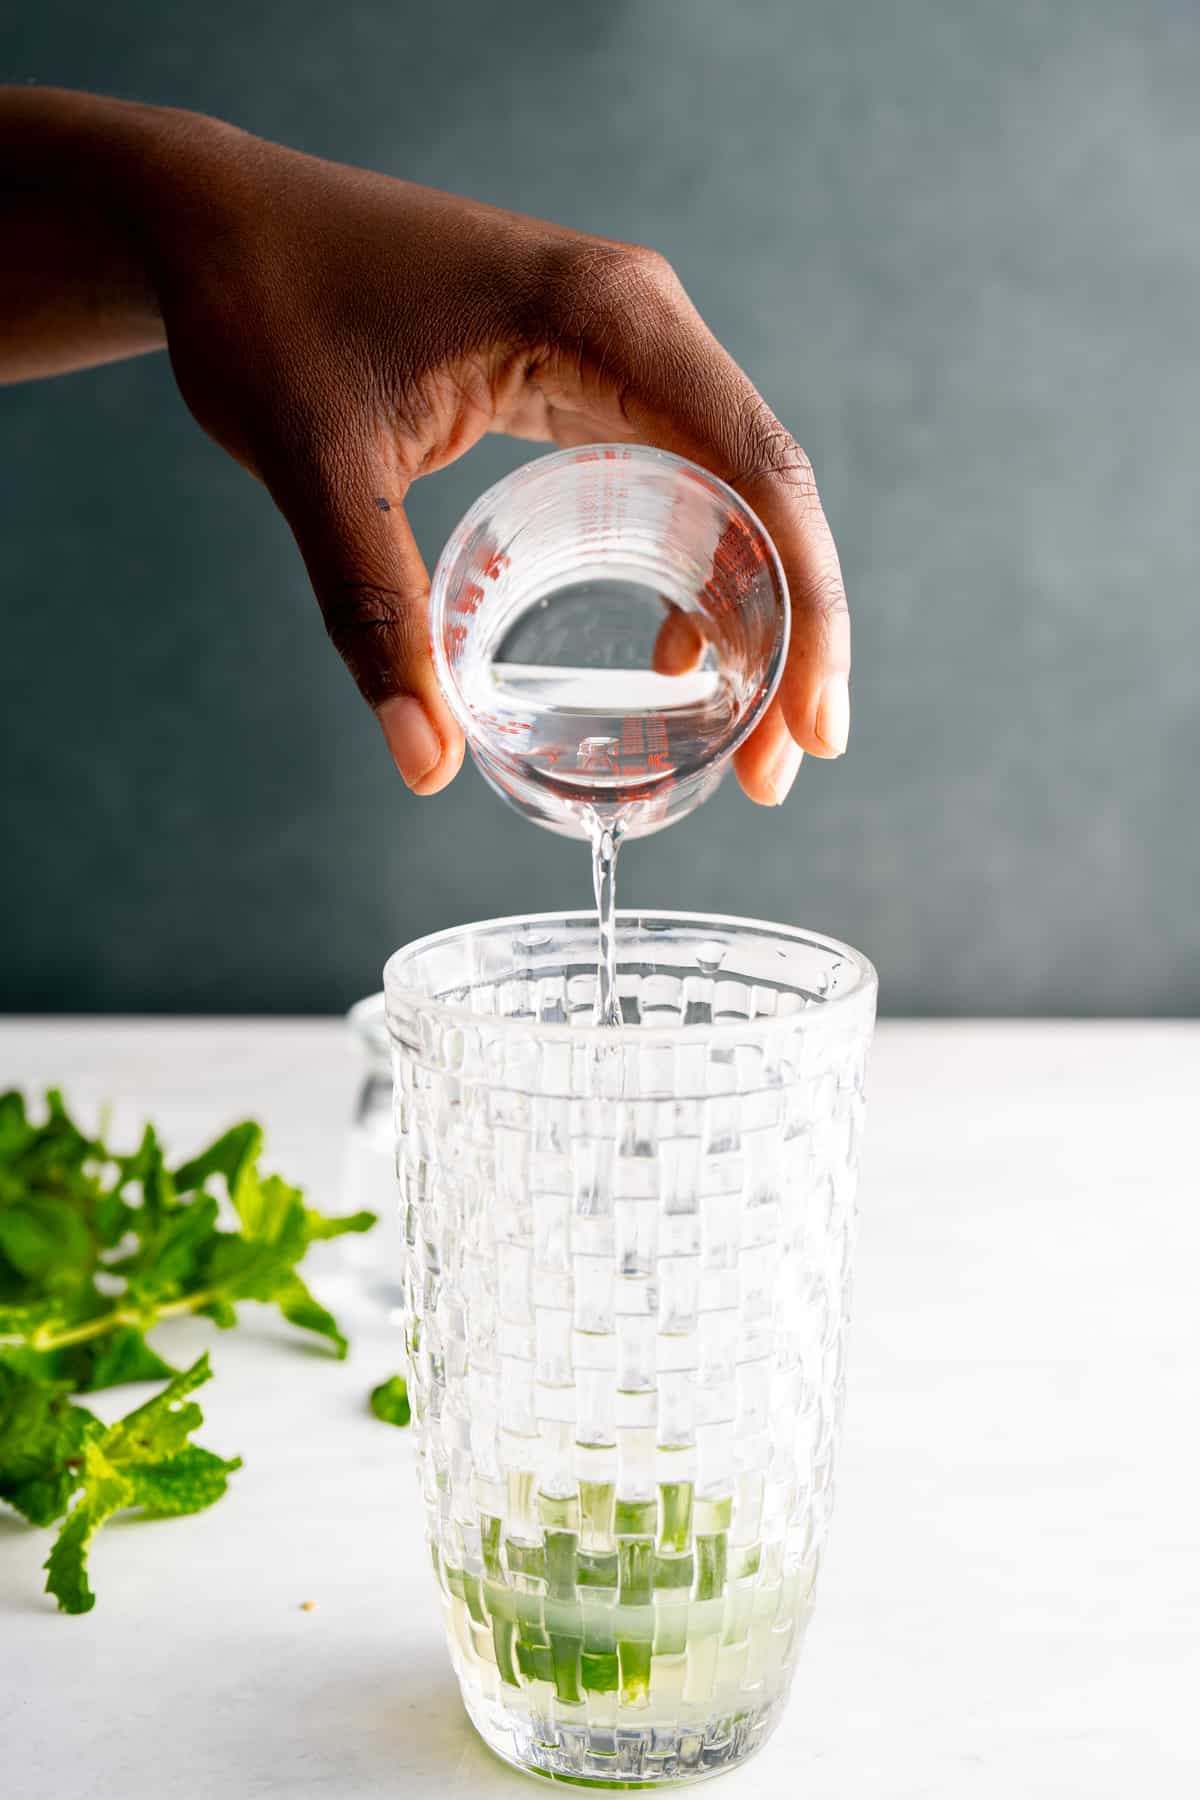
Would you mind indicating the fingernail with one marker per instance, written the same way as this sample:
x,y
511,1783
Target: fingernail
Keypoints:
x,y
833,715
783,771
415,746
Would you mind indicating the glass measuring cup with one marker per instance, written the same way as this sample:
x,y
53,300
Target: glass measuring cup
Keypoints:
x,y
609,623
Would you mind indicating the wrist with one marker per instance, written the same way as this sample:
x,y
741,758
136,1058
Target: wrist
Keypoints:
x,y
134,182
184,187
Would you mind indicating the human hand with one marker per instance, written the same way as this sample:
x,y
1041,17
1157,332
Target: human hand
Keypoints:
x,y
343,334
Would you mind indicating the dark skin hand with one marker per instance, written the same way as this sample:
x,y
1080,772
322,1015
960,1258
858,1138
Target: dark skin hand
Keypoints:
x,y
341,334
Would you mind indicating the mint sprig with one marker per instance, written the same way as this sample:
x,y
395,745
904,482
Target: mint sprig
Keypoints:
x,y
145,1461
97,1249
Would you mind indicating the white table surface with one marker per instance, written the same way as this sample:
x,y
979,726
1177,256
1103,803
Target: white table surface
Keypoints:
x,y
1011,1603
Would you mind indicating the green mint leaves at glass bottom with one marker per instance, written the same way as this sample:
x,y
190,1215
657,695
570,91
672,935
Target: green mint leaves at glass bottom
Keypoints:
x,y
97,1248
602,1591
389,1401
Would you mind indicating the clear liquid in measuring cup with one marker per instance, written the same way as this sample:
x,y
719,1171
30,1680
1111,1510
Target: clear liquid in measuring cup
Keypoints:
x,y
579,723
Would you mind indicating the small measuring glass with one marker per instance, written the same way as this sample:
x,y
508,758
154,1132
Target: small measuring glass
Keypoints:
x,y
609,624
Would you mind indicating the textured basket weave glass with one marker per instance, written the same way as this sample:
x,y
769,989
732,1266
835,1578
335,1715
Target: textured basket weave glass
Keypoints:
x,y
626,1290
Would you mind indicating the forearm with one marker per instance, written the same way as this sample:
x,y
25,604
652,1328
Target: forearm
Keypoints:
x,y
91,192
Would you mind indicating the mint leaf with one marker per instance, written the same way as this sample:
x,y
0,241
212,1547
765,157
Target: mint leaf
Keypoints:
x,y
163,1424
44,1498
259,1262
147,1168
389,1401
271,1211
45,1240
66,1564
235,1150
123,1355
222,1313
185,1483
106,1490
41,1440
171,1254
321,1225
144,1460
15,1129
299,1307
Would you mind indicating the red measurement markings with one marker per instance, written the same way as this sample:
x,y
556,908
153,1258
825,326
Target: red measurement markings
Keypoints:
x,y
644,752
733,606
657,748
468,599
464,605
499,727
737,562
631,756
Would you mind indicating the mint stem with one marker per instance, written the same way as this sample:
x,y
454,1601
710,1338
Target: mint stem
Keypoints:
x,y
111,1321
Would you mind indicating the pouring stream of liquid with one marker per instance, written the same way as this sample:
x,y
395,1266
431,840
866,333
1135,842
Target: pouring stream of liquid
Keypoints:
x,y
606,841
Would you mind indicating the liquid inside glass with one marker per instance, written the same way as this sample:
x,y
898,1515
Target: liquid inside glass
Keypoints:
x,y
580,722
627,1323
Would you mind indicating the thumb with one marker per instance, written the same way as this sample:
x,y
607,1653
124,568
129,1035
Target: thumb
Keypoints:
x,y
679,645
373,590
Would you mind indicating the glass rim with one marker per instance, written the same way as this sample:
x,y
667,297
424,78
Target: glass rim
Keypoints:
x,y
864,984
538,466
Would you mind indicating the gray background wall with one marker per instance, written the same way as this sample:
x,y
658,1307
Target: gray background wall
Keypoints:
x,y
956,244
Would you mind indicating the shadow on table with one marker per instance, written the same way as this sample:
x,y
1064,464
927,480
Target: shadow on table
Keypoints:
x,y
400,1731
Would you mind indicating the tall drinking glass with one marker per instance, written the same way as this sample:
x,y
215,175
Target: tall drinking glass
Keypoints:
x,y
626,1291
